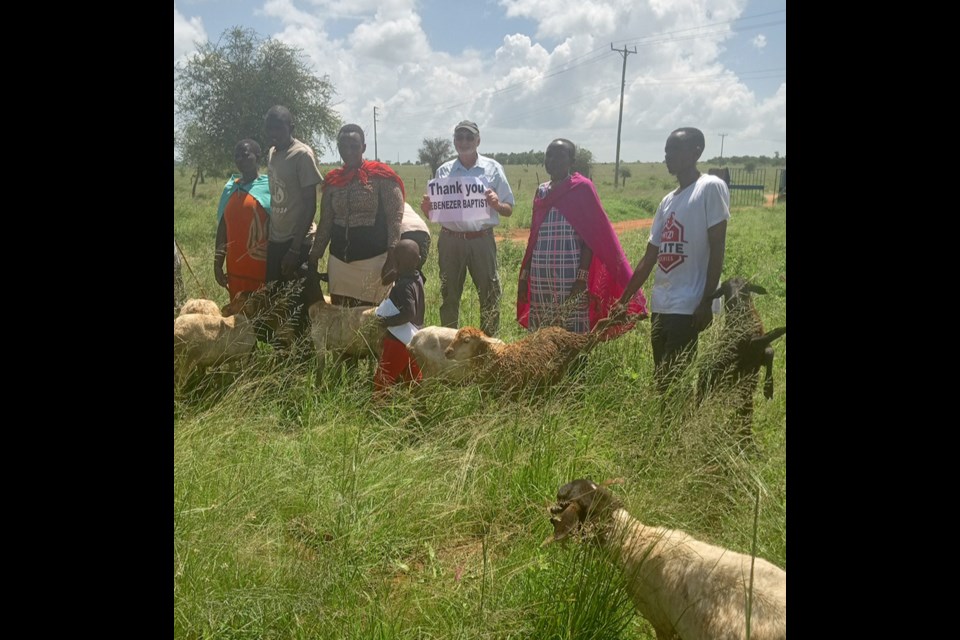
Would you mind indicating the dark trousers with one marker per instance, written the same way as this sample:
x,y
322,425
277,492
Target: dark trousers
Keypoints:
x,y
478,255
674,342
293,295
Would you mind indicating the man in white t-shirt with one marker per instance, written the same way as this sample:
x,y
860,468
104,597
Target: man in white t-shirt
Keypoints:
x,y
686,245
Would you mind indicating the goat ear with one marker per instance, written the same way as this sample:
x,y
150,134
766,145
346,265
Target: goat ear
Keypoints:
x,y
716,294
755,288
565,523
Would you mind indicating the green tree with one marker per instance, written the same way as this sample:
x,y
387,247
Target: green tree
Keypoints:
x,y
624,174
195,152
583,162
434,152
222,93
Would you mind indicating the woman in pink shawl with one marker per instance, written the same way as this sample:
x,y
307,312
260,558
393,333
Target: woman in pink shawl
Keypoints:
x,y
574,268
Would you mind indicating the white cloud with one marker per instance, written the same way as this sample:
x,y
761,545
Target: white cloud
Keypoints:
x,y
391,39
291,15
760,41
770,123
186,32
363,8
558,18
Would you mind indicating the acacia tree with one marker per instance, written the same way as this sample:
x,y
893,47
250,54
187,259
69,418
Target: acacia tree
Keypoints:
x,y
434,152
222,93
583,162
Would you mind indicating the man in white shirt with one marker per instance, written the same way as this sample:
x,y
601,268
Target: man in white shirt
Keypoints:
x,y
686,245
464,245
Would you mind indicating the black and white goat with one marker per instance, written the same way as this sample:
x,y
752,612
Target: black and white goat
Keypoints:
x,y
744,348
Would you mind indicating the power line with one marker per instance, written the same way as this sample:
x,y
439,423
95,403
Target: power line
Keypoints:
x,y
495,92
639,39
669,38
553,106
590,57
717,77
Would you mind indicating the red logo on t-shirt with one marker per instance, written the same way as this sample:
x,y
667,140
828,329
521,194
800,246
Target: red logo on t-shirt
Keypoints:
x,y
672,244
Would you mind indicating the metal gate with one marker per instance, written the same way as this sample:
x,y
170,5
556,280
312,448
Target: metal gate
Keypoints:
x,y
746,187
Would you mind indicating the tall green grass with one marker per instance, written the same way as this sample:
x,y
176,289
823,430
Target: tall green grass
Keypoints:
x,y
308,512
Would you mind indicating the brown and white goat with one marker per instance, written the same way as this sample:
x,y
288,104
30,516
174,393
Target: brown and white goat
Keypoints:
x,y
685,588
539,358
742,350
429,347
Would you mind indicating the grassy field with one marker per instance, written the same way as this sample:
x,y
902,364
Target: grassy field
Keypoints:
x,y
306,512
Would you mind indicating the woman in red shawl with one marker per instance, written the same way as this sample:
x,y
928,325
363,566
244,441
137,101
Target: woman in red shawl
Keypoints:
x,y
574,268
360,214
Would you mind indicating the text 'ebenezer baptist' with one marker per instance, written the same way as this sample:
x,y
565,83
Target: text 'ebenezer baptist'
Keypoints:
x,y
458,199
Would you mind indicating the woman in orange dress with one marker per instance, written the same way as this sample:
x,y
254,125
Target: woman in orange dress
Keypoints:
x,y
243,215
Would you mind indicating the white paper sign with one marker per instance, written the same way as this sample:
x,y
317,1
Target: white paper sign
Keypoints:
x,y
458,199
387,309
404,332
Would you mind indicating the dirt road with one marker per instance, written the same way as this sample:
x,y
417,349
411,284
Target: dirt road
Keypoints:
x,y
521,235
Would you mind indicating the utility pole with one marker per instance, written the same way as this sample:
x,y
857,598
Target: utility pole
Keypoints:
x,y
623,84
722,136
376,156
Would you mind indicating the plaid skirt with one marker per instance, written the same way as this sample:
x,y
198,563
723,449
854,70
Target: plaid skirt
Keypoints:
x,y
553,270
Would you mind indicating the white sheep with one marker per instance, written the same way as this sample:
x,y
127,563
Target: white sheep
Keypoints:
x,y
686,588
203,340
200,305
429,347
344,331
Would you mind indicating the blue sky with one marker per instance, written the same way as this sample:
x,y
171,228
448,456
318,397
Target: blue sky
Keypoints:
x,y
528,71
